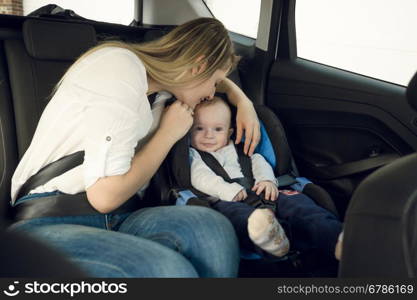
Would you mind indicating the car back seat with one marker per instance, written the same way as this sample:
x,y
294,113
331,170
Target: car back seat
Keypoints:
x,y
32,62
34,59
8,143
35,53
36,64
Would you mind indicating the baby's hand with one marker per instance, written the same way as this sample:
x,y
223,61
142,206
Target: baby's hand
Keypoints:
x,y
240,196
271,190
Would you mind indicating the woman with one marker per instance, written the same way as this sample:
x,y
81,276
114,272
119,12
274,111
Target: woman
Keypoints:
x,y
101,107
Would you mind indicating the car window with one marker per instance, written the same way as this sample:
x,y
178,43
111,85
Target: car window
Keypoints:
x,y
99,10
376,38
240,16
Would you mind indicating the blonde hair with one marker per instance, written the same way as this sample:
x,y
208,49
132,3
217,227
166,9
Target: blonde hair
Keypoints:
x,y
167,59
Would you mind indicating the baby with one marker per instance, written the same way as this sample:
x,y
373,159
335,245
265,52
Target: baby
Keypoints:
x,y
211,133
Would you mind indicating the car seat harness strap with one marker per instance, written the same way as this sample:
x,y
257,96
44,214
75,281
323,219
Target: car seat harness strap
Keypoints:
x,y
247,181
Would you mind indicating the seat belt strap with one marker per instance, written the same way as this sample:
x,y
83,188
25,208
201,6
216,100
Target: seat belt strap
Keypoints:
x,y
244,162
50,171
286,180
214,165
58,167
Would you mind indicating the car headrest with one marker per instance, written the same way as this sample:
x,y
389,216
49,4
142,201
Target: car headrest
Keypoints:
x,y
151,35
58,41
412,91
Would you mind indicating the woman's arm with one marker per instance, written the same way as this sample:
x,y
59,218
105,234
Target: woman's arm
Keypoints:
x,y
108,193
246,119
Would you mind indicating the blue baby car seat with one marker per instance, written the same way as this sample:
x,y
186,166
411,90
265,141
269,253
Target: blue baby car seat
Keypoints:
x,y
274,147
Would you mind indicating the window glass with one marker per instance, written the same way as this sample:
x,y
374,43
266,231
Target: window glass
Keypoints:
x,y
119,12
376,38
240,16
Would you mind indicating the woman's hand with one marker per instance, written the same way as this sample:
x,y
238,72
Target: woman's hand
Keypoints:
x,y
109,192
176,120
247,123
271,190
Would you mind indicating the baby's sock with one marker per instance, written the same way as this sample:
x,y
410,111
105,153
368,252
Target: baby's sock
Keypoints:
x,y
265,231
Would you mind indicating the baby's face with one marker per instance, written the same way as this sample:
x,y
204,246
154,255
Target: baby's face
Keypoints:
x,y
211,129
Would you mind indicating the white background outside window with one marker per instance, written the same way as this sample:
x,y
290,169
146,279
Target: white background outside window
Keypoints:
x,y
112,11
377,38
240,16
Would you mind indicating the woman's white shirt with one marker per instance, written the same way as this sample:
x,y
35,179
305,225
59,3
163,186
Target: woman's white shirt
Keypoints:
x,y
100,107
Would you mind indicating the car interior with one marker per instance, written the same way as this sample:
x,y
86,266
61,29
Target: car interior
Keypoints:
x,y
353,136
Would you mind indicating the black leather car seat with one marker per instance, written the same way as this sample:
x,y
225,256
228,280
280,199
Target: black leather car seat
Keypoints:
x,y
37,64
380,238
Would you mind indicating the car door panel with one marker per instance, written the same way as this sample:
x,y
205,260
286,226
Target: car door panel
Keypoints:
x,y
341,126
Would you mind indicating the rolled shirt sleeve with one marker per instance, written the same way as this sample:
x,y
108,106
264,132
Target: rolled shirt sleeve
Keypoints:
x,y
101,108
262,170
117,113
110,141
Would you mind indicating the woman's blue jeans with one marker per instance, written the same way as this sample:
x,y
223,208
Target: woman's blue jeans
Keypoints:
x,y
167,241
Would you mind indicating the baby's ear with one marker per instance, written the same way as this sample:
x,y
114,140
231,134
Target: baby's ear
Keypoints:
x,y
230,132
